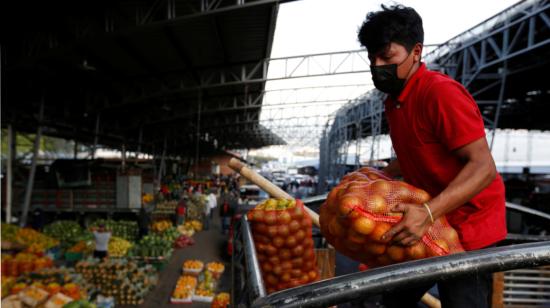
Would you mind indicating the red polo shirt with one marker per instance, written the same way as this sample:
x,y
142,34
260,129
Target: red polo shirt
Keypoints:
x,y
433,116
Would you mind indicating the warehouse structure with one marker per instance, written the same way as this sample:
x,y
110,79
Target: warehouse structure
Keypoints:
x,y
502,62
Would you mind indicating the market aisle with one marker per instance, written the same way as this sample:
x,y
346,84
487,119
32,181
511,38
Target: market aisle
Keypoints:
x,y
209,246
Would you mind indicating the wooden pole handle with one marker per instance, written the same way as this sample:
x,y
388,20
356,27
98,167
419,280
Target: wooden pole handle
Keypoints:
x,y
272,189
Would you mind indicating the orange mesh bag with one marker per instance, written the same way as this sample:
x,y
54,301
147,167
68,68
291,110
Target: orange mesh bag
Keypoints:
x,y
357,213
284,245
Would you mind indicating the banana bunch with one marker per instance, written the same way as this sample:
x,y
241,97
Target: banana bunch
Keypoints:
x,y
161,226
186,230
118,247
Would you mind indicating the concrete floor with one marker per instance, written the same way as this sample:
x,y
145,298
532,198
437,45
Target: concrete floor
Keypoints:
x,y
209,246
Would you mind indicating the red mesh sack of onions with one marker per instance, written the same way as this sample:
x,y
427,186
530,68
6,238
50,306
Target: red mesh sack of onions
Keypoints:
x,y
357,213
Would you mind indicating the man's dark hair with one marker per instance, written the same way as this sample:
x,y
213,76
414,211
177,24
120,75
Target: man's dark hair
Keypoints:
x,y
397,24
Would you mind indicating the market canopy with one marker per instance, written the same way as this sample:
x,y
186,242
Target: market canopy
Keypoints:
x,y
139,73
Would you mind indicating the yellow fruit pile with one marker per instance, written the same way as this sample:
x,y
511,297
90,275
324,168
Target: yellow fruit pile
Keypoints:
x,y
161,226
186,230
195,224
28,237
193,265
221,300
215,267
148,198
118,247
184,287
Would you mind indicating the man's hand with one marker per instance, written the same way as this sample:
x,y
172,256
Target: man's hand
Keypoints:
x,y
412,227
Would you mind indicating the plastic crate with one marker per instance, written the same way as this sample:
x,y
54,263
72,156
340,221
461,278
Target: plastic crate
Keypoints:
x,y
73,256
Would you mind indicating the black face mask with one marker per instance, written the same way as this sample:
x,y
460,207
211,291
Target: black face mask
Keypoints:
x,y
385,78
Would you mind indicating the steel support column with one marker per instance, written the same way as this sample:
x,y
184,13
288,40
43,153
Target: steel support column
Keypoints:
x,y
30,181
9,173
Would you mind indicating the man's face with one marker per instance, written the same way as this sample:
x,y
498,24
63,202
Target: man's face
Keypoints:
x,y
396,53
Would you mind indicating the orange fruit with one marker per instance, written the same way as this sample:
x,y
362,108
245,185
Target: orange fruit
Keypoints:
x,y
396,253
375,249
380,229
416,251
363,225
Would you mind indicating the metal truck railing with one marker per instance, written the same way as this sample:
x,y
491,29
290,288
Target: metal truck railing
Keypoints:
x,y
249,291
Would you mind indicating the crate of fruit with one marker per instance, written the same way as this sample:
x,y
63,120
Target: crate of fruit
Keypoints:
x,y
216,268
193,267
184,290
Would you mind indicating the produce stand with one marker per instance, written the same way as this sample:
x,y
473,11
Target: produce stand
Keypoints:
x,y
249,291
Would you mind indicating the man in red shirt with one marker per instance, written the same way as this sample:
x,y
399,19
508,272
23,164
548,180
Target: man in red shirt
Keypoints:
x,y
439,138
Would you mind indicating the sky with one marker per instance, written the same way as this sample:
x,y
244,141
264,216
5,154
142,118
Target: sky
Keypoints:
x,y
308,27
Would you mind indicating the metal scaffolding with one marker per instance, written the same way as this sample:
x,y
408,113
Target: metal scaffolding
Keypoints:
x,y
498,61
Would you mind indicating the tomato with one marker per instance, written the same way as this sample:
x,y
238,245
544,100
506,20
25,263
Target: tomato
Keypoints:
x,y
270,217
377,204
295,273
285,254
255,215
282,230
306,222
284,218
396,253
267,267
313,275
260,239
285,277
297,212
270,290
363,225
375,249
286,265
261,248
260,228
261,257
298,251
271,279
294,283
304,279
380,229
309,254
290,242
274,260
278,242
271,250
294,226
308,243
300,235
297,262
272,231
417,251
277,270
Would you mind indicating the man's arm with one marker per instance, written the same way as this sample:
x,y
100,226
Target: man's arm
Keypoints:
x,y
393,169
478,172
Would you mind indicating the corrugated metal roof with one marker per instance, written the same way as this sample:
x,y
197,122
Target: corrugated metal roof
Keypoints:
x,y
138,76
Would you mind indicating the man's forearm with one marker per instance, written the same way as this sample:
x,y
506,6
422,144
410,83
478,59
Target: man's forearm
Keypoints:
x,y
473,178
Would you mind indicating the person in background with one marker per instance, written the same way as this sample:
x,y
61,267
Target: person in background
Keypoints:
x,y
102,237
180,212
212,201
144,220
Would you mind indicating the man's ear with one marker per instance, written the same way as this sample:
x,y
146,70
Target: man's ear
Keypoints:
x,y
417,51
